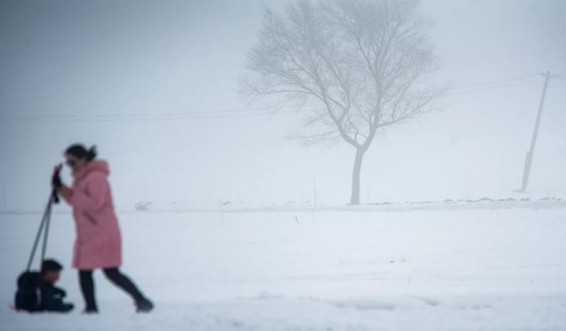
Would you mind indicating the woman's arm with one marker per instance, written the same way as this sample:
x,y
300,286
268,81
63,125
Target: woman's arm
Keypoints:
x,y
65,191
94,196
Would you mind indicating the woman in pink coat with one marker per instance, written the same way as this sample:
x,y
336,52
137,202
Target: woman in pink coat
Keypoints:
x,y
98,241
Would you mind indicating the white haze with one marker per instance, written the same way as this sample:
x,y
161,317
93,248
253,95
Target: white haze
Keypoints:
x,y
134,59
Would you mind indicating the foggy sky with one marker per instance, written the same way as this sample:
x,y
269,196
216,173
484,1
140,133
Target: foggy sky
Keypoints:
x,y
128,61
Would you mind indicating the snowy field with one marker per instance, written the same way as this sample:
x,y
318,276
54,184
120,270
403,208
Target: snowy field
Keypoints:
x,y
380,268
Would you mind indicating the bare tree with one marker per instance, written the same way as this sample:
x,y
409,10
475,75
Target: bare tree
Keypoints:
x,y
360,64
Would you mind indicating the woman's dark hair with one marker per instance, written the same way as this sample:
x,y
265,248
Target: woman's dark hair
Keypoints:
x,y
80,152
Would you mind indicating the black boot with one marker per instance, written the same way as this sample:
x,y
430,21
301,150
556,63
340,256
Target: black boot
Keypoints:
x,y
90,311
144,306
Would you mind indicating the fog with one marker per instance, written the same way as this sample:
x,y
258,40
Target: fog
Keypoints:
x,y
155,85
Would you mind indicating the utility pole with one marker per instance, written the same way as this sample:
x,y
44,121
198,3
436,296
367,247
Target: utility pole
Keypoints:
x,y
531,151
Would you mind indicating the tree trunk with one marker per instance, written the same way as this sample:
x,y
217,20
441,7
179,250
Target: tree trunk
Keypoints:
x,y
355,198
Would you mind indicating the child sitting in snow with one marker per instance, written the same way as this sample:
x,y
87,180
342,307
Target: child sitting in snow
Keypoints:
x,y
51,297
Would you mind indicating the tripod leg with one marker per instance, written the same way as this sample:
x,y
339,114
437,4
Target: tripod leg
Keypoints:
x,y
38,236
46,233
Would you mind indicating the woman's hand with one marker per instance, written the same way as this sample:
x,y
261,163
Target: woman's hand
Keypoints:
x,y
56,178
57,183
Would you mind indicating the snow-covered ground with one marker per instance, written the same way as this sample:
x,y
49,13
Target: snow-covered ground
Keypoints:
x,y
500,267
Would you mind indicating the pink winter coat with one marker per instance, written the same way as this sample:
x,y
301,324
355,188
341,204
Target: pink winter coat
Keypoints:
x,y
98,242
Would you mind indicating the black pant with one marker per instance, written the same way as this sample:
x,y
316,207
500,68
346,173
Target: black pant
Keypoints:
x,y
115,276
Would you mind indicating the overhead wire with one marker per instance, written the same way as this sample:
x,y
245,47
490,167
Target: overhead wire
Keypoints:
x,y
144,117
249,112
494,82
487,88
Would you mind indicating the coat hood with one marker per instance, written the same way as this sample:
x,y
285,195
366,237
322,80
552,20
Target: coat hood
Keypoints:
x,y
96,165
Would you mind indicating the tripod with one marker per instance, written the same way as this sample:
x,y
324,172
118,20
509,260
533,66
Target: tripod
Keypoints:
x,y
43,228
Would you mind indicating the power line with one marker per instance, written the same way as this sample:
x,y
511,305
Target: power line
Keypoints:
x,y
487,89
138,117
250,112
158,114
493,82
212,112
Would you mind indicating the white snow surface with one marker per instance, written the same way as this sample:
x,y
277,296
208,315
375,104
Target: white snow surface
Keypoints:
x,y
494,268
